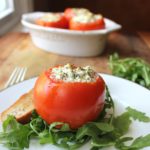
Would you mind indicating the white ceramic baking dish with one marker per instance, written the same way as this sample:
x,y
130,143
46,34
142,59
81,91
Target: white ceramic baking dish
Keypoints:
x,y
68,42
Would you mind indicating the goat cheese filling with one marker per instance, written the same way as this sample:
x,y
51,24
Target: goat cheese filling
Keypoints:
x,y
78,11
87,18
51,17
70,73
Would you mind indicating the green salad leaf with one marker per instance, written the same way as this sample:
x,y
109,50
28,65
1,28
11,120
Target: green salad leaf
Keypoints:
x,y
137,115
137,144
134,69
107,130
15,136
122,124
140,142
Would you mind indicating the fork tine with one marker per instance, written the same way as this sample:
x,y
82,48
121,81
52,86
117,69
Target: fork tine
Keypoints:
x,y
14,77
11,77
23,74
19,77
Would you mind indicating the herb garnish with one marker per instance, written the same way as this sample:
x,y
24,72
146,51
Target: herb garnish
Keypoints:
x,y
106,131
134,69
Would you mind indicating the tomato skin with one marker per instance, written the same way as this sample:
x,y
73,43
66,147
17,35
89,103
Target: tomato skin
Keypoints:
x,y
73,103
69,13
61,23
98,24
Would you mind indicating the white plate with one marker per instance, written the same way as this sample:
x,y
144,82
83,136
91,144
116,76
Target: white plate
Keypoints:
x,y
68,42
124,92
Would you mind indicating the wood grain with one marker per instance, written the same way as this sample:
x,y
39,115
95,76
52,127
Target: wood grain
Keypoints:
x,y
17,49
146,37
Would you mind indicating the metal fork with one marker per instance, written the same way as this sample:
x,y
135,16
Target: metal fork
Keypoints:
x,y
17,76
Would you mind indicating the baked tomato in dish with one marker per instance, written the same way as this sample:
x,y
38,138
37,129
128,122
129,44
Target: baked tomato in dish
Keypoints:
x,y
87,22
69,94
56,20
71,12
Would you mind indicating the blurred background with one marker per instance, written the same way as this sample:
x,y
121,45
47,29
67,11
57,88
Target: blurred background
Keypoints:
x,y
131,14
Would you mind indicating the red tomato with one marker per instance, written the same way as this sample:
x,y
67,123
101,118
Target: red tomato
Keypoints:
x,y
49,20
74,103
69,13
97,24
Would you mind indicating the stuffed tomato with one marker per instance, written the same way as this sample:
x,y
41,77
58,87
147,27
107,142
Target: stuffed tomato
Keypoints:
x,y
69,94
56,20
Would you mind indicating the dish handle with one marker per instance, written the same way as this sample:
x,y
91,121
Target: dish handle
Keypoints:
x,y
112,26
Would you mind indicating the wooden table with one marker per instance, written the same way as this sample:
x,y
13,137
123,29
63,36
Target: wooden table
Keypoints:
x,y
17,49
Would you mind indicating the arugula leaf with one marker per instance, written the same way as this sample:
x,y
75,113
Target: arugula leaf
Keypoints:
x,y
37,125
63,127
137,144
137,115
105,127
88,129
103,141
120,142
94,129
134,69
141,142
15,135
122,124
107,114
46,137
